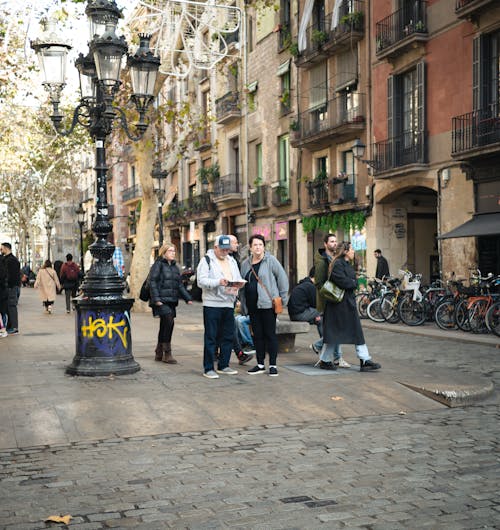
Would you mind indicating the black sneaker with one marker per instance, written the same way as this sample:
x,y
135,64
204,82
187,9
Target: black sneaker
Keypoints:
x,y
367,366
327,366
243,357
13,331
273,371
256,370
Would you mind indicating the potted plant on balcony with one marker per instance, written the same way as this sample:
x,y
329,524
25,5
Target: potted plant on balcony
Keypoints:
x,y
294,49
320,178
340,178
319,36
354,20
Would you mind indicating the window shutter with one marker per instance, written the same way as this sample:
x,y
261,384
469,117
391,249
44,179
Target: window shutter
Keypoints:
x,y
390,107
347,69
421,97
318,86
476,73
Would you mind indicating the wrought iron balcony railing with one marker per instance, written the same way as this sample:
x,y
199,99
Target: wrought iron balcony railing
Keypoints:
x,y
228,107
132,192
281,195
259,197
475,129
408,148
227,185
403,23
318,193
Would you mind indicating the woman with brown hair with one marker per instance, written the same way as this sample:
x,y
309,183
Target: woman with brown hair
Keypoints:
x,y
341,323
48,283
166,286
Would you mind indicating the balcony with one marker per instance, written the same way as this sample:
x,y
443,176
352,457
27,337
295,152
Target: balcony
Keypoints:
x,y
228,189
227,108
343,189
327,37
318,193
407,150
259,197
476,133
132,193
468,9
204,140
281,195
401,31
340,118
198,208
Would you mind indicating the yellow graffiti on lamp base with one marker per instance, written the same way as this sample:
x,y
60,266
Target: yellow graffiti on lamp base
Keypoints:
x,y
99,328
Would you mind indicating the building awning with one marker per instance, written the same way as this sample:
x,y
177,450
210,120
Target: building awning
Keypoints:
x,y
486,224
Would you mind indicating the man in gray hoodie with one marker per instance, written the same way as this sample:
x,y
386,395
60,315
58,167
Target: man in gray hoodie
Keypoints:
x,y
219,278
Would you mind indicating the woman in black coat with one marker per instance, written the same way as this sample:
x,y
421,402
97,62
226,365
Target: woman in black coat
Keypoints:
x,y
166,285
341,323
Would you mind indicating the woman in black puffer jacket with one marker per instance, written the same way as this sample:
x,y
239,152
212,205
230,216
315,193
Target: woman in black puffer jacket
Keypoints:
x,y
165,287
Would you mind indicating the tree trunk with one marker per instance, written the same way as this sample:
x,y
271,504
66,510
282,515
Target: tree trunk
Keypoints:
x,y
141,259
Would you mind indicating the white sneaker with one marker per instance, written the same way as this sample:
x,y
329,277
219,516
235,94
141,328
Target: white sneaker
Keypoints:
x,y
341,363
227,370
211,375
3,333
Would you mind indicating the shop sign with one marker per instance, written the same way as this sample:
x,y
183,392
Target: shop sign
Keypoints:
x,y
281,230
263,230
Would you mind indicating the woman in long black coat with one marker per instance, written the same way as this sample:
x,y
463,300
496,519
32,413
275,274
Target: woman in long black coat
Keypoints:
x,y
166,286
341,323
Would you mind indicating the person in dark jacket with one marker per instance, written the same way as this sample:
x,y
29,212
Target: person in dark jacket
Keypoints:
x,y
69,276
13,286
341,322
382,270
302,305
165,287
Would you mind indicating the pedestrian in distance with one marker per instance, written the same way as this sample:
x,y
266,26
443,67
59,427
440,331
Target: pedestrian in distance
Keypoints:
x,y
219,278
69,277
266,279
330,355
382,270
166,287
48,284
4,296
341,323
13,270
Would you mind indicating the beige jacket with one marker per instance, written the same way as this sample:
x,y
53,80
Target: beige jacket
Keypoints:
x,y
48,283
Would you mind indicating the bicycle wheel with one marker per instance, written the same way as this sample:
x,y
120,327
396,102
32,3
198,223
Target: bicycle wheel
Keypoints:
x,y
373,311
389,309
462,315
412,312
493,319
362,301
444,315
477,314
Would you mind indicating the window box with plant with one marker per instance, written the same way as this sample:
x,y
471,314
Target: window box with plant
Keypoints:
x,y
353,20
319,36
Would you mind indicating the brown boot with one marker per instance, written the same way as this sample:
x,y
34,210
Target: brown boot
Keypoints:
x,y
167,353
158,352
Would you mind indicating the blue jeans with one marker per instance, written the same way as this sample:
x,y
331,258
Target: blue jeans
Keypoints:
x,y
333,352
219,324
243,325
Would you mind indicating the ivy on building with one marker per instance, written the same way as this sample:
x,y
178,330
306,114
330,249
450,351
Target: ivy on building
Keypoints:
x,y
333,221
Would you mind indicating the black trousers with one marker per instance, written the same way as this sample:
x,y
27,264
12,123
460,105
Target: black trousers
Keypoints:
x,y
166,328
263,323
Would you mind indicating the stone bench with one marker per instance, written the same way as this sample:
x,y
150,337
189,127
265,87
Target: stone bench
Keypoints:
x,y
286,331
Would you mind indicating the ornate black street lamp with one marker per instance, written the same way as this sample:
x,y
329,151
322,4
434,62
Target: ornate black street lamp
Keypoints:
x,y
80,216
48,229
104,343
159,178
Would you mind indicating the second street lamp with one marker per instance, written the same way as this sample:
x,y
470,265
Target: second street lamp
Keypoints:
x,y
104,339
159,177
80,216
48,228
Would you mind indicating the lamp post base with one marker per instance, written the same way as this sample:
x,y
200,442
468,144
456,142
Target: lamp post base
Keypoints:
x,y
103,338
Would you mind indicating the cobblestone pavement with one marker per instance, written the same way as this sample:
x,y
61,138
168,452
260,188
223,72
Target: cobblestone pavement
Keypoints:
x,y
435,469
166,448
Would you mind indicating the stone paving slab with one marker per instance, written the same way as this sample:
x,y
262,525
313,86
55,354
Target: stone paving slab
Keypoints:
x,y
389,471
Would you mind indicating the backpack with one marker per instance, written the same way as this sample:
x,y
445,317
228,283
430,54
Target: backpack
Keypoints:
x,y
71,271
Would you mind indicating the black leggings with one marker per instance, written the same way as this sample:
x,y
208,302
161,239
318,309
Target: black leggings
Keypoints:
x,y
166,328
263,323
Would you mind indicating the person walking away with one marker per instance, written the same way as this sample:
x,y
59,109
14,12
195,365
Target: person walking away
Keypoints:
x,y
165,284
302,306
118,262
382,270
4,296
69,274
330,355
13,268
341,323
266,279
48,284
219,278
